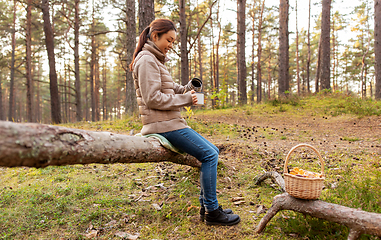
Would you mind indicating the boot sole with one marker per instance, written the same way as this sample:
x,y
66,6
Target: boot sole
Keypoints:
x,y
224,224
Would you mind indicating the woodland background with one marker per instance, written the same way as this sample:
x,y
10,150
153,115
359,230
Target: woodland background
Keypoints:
x,y
60,61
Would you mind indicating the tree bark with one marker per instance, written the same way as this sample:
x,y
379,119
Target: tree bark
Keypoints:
x,y
2,113
183,42
78,102
38,145
104,88
283,80
318,67
253,53
217,58
199,46
377,46
269,71
325,45
130,48
241,60
275,176
49,41
259,53
28,67
359,222
309,46
146,13
297,47
92,70
12,107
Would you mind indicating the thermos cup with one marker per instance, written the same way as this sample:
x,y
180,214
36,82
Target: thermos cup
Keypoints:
x,y
194,84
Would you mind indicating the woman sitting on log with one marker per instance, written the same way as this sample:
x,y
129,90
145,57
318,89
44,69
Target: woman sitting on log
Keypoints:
x,y
160,100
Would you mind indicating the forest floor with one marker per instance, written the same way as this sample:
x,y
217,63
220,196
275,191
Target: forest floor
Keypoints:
x,y
160,200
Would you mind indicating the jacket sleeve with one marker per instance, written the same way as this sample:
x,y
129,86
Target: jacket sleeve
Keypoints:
x,y
148,73
178,88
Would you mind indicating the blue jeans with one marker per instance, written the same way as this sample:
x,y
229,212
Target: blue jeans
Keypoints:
x,y
196,145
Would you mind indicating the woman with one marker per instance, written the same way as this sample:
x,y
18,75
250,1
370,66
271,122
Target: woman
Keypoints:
x,y
160,100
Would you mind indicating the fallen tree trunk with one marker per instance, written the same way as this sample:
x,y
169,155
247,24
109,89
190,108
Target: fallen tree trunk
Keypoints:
x,y
359,222
38,145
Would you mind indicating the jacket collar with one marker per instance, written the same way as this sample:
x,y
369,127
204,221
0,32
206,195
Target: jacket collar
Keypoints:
x,y
151,47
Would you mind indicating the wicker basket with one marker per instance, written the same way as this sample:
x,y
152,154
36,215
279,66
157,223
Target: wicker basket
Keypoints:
x,y
300,187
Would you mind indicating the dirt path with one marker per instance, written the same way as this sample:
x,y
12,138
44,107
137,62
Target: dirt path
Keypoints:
x,y
328,134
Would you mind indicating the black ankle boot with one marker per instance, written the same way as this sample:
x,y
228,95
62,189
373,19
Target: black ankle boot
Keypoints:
x,y
219,217
202,213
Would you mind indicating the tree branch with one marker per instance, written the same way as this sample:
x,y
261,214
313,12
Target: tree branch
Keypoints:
x,y
202,26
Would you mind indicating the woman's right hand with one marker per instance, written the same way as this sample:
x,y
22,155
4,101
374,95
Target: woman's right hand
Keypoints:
x,y
194,97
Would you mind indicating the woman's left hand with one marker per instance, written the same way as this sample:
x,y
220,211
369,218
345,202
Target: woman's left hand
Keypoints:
x,y
194,97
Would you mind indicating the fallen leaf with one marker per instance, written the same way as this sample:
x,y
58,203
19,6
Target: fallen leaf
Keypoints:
x,y
190,208
92,234
156,206
112,223
127,235
236,199
239,202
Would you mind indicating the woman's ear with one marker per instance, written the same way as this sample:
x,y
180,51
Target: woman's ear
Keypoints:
x,y
154,37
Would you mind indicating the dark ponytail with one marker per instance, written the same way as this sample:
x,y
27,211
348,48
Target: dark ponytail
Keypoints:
x,y
158,26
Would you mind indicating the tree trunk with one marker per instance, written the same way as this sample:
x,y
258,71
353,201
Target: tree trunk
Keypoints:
x,y
28,67
130,48
325,45
363,69
283,78
86,95
309,47
241,61
92,70
359,222
377,46
199,47
253,54
212,65
146,13
37,145
49,41
12,107
269,72
2,113
217,58
334,54
97,87
297,48
183,42
259,53
104,88
318,67
78,102
38,95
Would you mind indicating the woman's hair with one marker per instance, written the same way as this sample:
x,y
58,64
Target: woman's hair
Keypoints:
x,y
158,26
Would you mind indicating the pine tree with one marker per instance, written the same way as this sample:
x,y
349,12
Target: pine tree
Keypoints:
x,y
377,46
283,79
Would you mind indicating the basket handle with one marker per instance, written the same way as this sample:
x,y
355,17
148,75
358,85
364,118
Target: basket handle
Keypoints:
x,y
303,145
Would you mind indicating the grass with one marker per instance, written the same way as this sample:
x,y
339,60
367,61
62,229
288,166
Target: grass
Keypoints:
x,y
67,202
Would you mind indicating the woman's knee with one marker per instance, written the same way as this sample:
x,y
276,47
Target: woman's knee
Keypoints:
x,y
211,155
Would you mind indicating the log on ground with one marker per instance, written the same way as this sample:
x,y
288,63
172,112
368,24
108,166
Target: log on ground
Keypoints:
x,y
359,222
39,145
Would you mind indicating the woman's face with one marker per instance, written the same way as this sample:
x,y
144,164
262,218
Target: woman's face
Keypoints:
x,y
165,42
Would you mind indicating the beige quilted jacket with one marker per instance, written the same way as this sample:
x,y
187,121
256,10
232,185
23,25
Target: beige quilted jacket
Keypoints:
x,y
158,97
